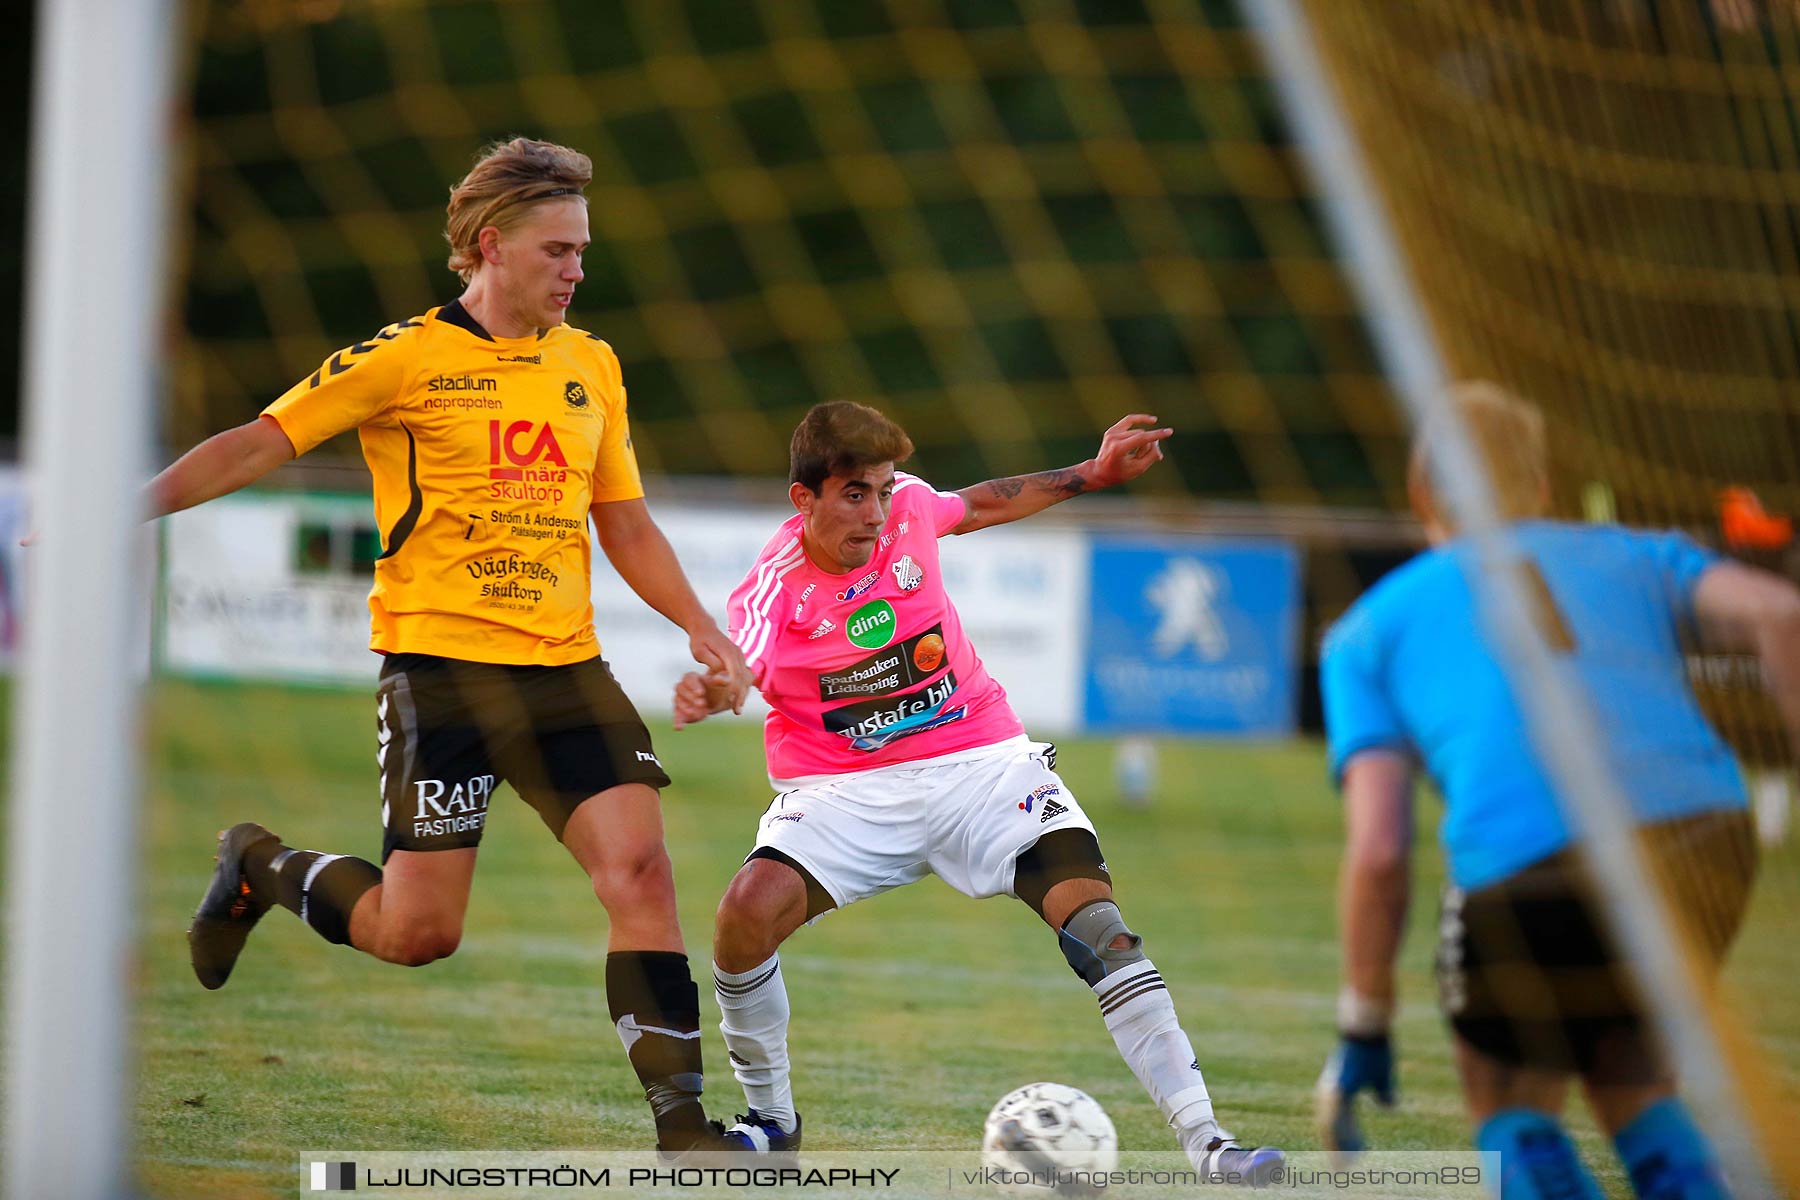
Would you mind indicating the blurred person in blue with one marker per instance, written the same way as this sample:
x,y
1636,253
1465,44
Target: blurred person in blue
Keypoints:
x,y
1532,984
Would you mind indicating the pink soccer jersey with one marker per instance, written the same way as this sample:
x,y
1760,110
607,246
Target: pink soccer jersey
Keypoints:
x,y
870,668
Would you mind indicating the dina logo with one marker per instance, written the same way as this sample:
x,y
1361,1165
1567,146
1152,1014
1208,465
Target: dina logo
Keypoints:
x,y
872,626
575,394
1185,597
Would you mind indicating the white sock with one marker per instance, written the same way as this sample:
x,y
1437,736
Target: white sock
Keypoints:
x,y
1141,1018
753,1016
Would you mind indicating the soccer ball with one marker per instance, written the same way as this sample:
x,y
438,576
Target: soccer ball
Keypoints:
x,y
1045,1125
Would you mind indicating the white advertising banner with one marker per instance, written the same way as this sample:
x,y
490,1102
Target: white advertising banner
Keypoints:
x,y
251,590
1023,594
276,587
647,654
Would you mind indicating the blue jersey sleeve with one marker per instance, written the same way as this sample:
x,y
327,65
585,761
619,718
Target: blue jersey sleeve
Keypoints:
x,y
1679,561
1359,715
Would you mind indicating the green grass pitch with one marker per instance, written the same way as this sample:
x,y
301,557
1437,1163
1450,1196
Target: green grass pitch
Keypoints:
x,y
913,1012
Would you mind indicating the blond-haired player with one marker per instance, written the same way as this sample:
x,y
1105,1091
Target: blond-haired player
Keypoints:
x,y
495,433
1534,986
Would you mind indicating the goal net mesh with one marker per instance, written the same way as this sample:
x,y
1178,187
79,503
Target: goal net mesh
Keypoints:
x,y
1007,232
1007,223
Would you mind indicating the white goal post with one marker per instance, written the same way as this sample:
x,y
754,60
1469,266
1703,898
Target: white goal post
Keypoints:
x,y
97,225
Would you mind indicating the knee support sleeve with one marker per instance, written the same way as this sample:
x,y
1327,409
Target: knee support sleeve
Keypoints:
x,y
1097,942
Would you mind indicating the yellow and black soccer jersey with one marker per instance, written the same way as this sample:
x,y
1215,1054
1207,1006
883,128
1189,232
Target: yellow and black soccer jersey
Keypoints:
x,y
487,453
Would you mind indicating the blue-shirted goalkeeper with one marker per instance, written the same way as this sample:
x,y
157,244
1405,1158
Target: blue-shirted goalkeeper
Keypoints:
x,y
1531,982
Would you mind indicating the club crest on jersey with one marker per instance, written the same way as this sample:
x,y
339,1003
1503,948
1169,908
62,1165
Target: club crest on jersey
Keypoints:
x,y
574,394
860,586
908,574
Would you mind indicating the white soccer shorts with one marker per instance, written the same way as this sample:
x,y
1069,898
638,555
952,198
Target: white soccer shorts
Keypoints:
x,y
963,818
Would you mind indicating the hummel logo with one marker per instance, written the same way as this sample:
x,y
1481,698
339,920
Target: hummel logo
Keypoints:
x,y
1052,808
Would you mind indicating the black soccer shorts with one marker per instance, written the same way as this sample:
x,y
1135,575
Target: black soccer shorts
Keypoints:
x,y
449,732
1529,974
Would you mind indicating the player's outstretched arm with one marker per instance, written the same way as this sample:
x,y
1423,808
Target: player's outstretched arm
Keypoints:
x,y
1375,883
1746,608
1373,890
644,559
1126,452
221,464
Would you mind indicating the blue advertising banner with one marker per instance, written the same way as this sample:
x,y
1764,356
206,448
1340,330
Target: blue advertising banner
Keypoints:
x,y
1193,635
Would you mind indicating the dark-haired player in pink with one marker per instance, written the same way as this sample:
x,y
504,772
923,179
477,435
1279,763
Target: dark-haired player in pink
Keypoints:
x,y
895,754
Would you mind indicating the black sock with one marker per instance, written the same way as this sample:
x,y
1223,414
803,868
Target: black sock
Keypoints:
x,y
656,1010
321,895
255,865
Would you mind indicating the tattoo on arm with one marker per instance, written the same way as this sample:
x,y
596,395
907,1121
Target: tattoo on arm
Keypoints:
x,y
1062,484
1006,489
997,501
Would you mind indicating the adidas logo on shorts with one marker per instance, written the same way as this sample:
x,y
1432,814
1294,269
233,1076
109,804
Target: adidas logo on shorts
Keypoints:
x,y
1052,808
